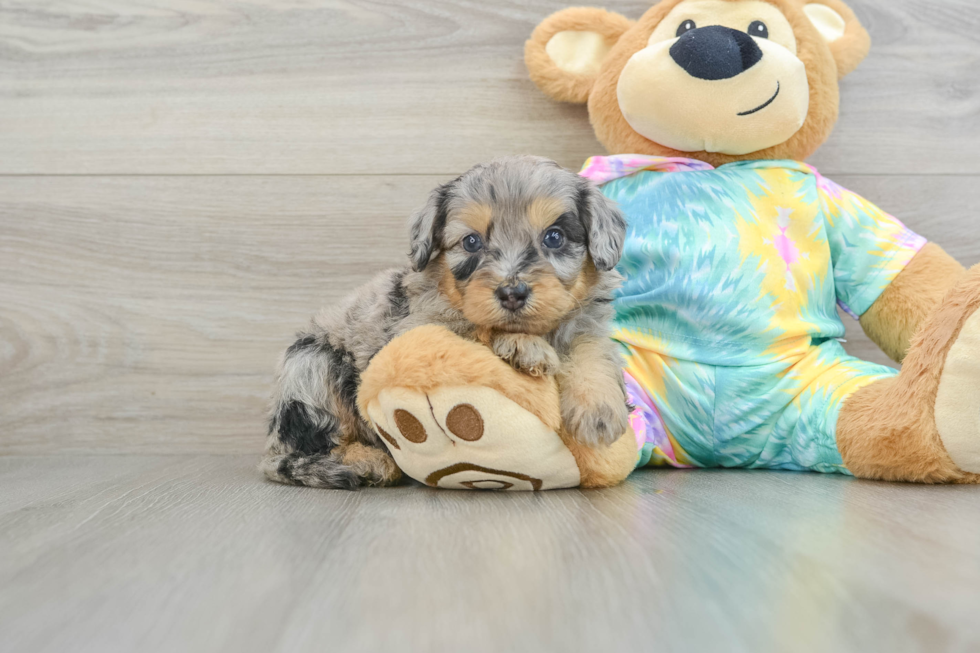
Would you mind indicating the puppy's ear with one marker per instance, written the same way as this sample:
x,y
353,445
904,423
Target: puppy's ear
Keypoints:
x,y
606,226
427,225
566,51
849,42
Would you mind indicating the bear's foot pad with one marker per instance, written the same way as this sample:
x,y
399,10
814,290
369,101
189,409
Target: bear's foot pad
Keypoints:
x,y
471,438
958,398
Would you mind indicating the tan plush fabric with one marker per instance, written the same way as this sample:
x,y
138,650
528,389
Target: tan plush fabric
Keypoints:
x,y
828,22
431,357
757,108
578,53
604,467
912,296
454,415
510,449
958,399
563,84
824,62
850,49
888,430
615,133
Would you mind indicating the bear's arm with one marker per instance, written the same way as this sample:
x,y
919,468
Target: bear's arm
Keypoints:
x,y
883,272
898,313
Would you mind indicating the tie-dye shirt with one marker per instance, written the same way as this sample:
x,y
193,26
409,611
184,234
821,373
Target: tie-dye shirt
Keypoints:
x,y
745,263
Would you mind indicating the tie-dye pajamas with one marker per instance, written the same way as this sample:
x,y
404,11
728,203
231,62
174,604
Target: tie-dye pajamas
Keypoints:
x,y
728,317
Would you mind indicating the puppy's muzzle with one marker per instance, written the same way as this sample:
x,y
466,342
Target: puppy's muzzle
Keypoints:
x,y
512,296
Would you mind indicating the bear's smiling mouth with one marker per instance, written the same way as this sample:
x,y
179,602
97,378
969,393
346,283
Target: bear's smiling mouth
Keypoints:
x,y
764,105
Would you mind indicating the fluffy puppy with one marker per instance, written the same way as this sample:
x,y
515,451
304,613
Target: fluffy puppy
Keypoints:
x,y
517,254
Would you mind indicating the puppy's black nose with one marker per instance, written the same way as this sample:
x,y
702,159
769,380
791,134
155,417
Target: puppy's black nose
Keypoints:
x,y
513,296
715,52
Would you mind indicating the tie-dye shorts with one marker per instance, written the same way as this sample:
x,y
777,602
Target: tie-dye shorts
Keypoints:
x,y
780,415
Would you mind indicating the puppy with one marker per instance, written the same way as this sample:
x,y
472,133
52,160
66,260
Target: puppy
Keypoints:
x,y
517,254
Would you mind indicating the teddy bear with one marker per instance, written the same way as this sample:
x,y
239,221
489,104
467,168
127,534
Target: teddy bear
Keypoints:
x,y
737,257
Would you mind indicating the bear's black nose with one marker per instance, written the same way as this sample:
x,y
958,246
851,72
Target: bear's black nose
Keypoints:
x,y
715,52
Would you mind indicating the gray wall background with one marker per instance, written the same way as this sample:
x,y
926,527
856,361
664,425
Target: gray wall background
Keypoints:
x,y
183,184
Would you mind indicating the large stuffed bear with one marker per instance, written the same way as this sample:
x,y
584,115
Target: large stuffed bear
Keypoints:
x,y
736,259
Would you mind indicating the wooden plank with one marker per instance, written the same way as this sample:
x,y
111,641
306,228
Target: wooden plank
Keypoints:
x,y
135,301
272,86
146,313
196,553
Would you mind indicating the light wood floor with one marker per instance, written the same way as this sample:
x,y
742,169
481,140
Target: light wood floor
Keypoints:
x,y
182,183
189,553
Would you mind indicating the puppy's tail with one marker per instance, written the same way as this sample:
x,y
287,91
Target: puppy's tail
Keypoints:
x,y
313,470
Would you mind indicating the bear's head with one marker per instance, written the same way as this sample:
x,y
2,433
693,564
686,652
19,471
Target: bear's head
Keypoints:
x,y
715,80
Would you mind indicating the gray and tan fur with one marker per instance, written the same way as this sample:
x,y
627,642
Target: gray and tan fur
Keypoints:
x,y
517,254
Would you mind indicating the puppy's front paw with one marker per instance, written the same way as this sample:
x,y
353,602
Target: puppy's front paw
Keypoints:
x,y
596,422
526,353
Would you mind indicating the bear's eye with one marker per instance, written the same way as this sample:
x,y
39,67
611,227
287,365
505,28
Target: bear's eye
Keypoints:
x,y
686,27
472,243
553,238
759,29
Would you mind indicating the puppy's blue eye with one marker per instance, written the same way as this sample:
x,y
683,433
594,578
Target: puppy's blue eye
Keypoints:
x,y
472,243
686,27
553,239
759,29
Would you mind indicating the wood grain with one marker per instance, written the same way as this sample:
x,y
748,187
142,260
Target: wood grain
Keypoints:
x,y
148,312
195,553
145,314
184,182
345,86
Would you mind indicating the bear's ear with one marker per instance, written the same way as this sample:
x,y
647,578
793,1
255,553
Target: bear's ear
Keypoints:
x,y
849,42
566,50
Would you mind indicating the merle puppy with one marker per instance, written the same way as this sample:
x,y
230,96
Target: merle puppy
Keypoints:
x,y
517,254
